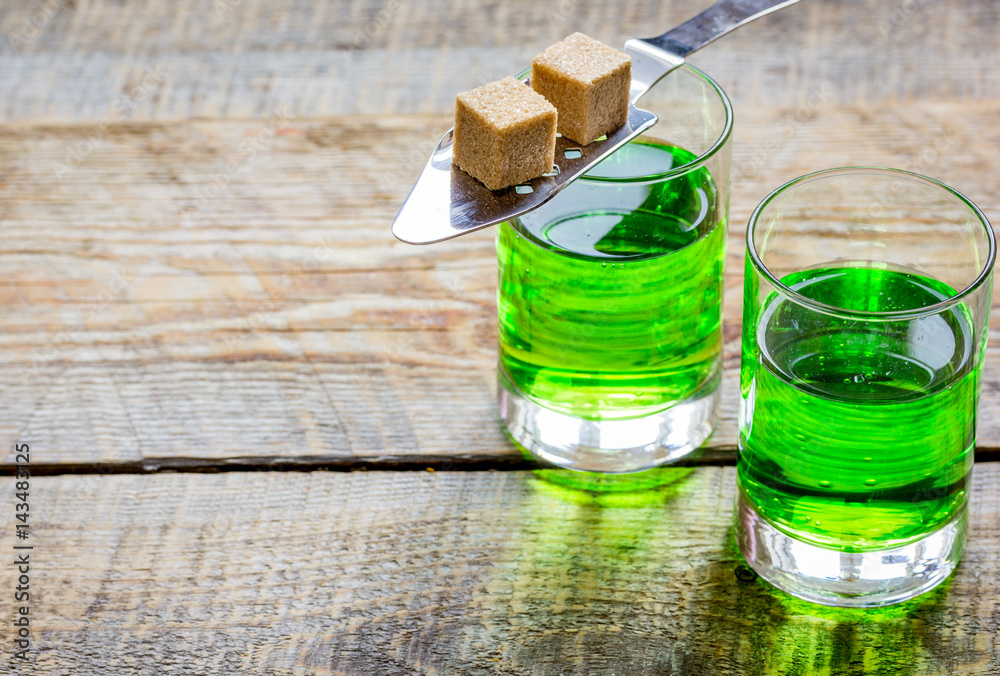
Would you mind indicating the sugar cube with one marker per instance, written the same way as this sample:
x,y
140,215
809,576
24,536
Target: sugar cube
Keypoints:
x,y
505,133
588,83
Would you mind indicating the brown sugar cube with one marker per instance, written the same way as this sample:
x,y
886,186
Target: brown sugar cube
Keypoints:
x,y
505,133
588,83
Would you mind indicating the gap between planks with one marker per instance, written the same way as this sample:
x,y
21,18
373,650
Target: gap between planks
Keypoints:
x,y
714,457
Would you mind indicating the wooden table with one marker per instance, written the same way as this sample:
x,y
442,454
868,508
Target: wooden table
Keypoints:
x,y
262,432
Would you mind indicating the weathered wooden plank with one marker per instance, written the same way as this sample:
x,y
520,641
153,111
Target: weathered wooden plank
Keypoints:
x,y
450,572
152,312
68,61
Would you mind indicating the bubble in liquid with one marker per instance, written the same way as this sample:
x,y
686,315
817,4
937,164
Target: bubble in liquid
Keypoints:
x,y
825,484
869,482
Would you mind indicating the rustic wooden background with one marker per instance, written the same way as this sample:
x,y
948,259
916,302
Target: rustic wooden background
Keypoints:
x,y
195,199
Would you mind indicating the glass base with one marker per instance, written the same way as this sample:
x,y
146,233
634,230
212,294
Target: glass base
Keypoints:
x,y
614,446
853,580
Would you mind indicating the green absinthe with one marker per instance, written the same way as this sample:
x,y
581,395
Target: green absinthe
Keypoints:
x,y
857,434
610,295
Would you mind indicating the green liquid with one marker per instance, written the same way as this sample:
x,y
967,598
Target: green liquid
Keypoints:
x,y
610,295
855,434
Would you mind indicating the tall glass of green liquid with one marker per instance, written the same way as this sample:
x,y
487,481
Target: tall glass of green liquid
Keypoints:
x,y
610,295
867,295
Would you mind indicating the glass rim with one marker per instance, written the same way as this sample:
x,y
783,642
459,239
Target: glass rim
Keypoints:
x,y
688,167
927,310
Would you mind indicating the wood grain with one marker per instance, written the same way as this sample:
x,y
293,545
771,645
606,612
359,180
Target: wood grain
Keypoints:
x,y
247,58
456,573
231,290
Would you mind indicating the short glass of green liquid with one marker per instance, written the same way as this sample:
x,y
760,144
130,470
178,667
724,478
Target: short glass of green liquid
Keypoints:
x,y
610,295
866,300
